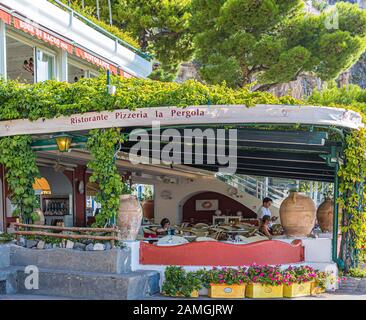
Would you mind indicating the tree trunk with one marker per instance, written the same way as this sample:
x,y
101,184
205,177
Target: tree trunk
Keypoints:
x,y
143,41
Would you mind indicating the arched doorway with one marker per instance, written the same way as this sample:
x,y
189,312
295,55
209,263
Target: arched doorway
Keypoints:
x,y
192,210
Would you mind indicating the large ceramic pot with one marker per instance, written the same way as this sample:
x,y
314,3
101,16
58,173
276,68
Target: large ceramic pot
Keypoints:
x,y
40,220
148,209
297,214
324,215
129,217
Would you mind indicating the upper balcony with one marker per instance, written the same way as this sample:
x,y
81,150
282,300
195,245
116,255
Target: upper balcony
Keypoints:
x,y
40,41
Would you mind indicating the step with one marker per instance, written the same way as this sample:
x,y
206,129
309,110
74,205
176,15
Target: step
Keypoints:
x,y
113,261
90,285
8,280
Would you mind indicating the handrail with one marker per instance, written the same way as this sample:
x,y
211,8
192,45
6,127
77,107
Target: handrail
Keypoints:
x,y
258,188
251,185
105,32
44,231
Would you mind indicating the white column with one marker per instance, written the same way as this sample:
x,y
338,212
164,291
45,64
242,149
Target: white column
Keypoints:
x,y
316,192
3,70
64,73
311,190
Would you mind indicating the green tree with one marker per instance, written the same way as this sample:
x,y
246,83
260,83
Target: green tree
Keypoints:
x,y
274,41
162,28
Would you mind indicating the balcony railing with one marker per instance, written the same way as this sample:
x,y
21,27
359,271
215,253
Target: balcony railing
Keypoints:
x,y
108,34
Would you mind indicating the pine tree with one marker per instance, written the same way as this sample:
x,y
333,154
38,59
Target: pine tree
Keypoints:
x,y
274,41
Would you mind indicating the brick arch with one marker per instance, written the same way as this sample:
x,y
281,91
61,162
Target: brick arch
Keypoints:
x,y
225,202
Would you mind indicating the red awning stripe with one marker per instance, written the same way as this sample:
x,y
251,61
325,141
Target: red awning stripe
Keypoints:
x,y
95,60
54,41
42,35
6,17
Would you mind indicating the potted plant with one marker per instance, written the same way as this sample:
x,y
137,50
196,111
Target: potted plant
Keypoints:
x,y
227,283
297,281
264,282
318,285
180,283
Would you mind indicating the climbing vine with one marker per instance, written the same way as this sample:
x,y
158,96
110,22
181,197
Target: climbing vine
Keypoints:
x,y
21,171
102,144
353,199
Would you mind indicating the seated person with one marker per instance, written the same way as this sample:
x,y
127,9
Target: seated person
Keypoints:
x,y
265,226
165,227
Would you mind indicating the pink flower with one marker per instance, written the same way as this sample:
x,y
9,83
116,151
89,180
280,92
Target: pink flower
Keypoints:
x,y
221,281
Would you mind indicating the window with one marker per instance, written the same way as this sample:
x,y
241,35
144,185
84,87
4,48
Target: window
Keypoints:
x,y
19,60
75,72
45,66
78,70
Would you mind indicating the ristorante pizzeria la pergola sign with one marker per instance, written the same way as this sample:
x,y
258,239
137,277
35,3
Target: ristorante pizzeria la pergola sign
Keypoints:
x,y
35,31
193,115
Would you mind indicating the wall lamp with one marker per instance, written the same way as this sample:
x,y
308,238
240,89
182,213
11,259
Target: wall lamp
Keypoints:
x,y
63,142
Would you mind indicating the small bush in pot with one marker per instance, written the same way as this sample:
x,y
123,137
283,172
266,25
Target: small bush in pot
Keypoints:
x,y
320,282
264,282
179,282
298,280
227,282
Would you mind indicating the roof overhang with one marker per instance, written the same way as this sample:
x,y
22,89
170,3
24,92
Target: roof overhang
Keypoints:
x,y
53,18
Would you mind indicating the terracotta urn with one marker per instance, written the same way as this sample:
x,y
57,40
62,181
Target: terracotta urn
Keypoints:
x,y
40,215
129,217
298,213
324,215
148,209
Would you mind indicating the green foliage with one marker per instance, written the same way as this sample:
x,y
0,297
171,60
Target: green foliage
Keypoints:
x,y
51,99
299,274
180,282
265,275
353,199
102,146
21,171
148,193
6,237
228,276
274,41
162,28
350,97
89,12
357,273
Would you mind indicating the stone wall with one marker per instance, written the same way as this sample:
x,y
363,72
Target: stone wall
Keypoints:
x,y
353,285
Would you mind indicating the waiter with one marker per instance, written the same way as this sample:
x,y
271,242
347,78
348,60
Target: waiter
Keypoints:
x,y
264,210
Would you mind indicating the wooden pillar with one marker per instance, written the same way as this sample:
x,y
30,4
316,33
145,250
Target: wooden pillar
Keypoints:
x,y
79,195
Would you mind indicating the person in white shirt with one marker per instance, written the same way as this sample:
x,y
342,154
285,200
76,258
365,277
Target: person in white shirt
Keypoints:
x,y
264,210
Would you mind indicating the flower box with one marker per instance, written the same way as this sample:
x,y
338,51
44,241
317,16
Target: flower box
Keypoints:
x,y
315,288
194,294
226,291
259,290
297,290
